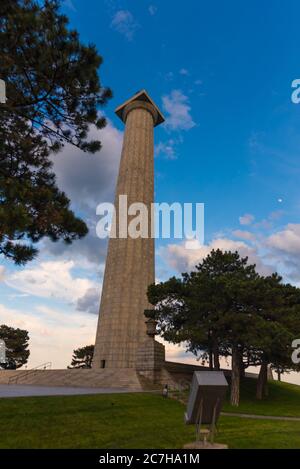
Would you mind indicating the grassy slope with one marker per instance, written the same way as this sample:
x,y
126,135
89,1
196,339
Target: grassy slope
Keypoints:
x,y
243,433
140,421
283,400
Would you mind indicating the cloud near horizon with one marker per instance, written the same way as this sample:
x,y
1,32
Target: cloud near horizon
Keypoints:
x,y
276,252
181,259
52,280
53,335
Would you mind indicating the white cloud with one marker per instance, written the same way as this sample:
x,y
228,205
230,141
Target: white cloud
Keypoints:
x,y
283,250
90,179
87,180
152,9
287,240
167,149
177,107
244,235
52,279
184,71
124,22
246,219
89,303
182,259
53,333
267,223
2,273
279,252
276,215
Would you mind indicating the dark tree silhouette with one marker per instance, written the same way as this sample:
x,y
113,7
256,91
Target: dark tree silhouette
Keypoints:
x,y
16,344
83,357
53,97
224,308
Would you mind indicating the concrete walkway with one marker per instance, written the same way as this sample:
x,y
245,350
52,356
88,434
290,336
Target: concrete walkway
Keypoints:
x,y
10,390
260,417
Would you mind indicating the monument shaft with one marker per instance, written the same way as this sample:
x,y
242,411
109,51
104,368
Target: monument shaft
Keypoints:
x,y
130,262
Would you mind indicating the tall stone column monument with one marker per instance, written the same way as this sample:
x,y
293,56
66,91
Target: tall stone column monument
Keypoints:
x,y
130,262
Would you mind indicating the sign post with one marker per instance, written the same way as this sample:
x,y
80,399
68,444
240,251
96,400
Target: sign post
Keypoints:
x,y
2,92
206,397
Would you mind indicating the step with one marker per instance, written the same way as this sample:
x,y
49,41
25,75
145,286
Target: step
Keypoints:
x,y
125,378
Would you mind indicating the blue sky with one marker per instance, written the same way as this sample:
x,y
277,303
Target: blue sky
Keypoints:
x,y
221,72
234,61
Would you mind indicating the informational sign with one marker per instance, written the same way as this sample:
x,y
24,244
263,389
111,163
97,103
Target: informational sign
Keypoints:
x,y
206,397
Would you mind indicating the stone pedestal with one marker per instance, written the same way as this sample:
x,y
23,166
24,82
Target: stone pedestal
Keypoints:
x,y
150,359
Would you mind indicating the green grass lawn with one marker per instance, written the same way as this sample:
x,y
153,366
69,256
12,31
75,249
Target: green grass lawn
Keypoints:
x,y
141,421
94,421
241,433
283,399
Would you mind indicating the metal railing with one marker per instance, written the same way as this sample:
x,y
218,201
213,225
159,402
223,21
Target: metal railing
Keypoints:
x,y
24,374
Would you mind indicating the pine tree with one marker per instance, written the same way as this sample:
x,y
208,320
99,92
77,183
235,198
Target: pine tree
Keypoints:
x,y
16,345
224,308
53,97
83,357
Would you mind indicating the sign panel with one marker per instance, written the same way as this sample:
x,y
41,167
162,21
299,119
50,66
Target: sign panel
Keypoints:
x,y
207,394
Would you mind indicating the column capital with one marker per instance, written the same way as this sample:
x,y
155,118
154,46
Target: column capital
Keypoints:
x,y
140,105
143,101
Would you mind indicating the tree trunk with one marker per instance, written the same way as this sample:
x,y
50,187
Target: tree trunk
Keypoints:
x,y
210,358
266,389
216,356
242,368
235,377
278,375
216,361
262,381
